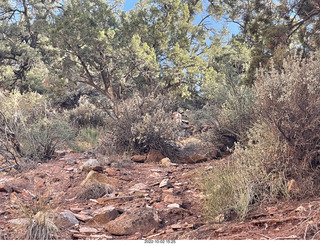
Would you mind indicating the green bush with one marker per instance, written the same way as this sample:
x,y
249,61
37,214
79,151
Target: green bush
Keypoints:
x,y
37,129
289,103
253,175
283,145
86,114
141,124
229,122
87,138
42,137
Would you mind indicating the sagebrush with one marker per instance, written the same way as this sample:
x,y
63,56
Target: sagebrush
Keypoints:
x,y
254,174
229,122
289,102
141,124
283,145
37,129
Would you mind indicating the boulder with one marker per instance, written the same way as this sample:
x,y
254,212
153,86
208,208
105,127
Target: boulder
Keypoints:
x,y
91,164
5,188
94,191
141,220
165,182
103,215
154,156
195,158
65,219
173,205
139,187
167,162
95,177
139,158
172,199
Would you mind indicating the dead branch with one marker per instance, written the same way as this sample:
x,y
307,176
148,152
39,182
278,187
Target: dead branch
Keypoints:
x,y
274,221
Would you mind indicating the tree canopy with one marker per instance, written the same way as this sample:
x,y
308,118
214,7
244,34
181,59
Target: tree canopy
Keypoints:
x,y
160,46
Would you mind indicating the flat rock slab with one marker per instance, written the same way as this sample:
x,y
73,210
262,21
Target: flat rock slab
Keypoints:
x,y
141,220
85,229
165,182
139,187
103,215
95,177
139,158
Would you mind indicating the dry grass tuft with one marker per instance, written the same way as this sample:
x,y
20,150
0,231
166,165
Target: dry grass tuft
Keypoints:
x,y
42,227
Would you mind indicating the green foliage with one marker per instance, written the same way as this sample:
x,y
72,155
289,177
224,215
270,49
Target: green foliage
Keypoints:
x,y
23,43
38,130
227,66
283,144
230,122
89,135
44,135
271,28
229,104
86,54
254,174
87,138
225,192
86,114
289,104
156,46
229,108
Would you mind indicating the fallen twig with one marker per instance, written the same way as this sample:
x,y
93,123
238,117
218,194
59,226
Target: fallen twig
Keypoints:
x,y
286,237
262,221
305,220
315,235
154,235
269,238
9,167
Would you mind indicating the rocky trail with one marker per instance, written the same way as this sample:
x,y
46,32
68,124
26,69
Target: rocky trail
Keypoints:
x,y
88,199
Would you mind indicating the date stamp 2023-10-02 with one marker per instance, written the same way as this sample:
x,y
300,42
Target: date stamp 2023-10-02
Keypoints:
x,y
160,241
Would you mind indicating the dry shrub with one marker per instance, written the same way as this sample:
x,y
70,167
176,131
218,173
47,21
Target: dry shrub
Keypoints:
x,y
93,191
36,128
42,227
253,175
141,124
86,115
45,136
229,122
284,145
39,216
289,102
87,138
